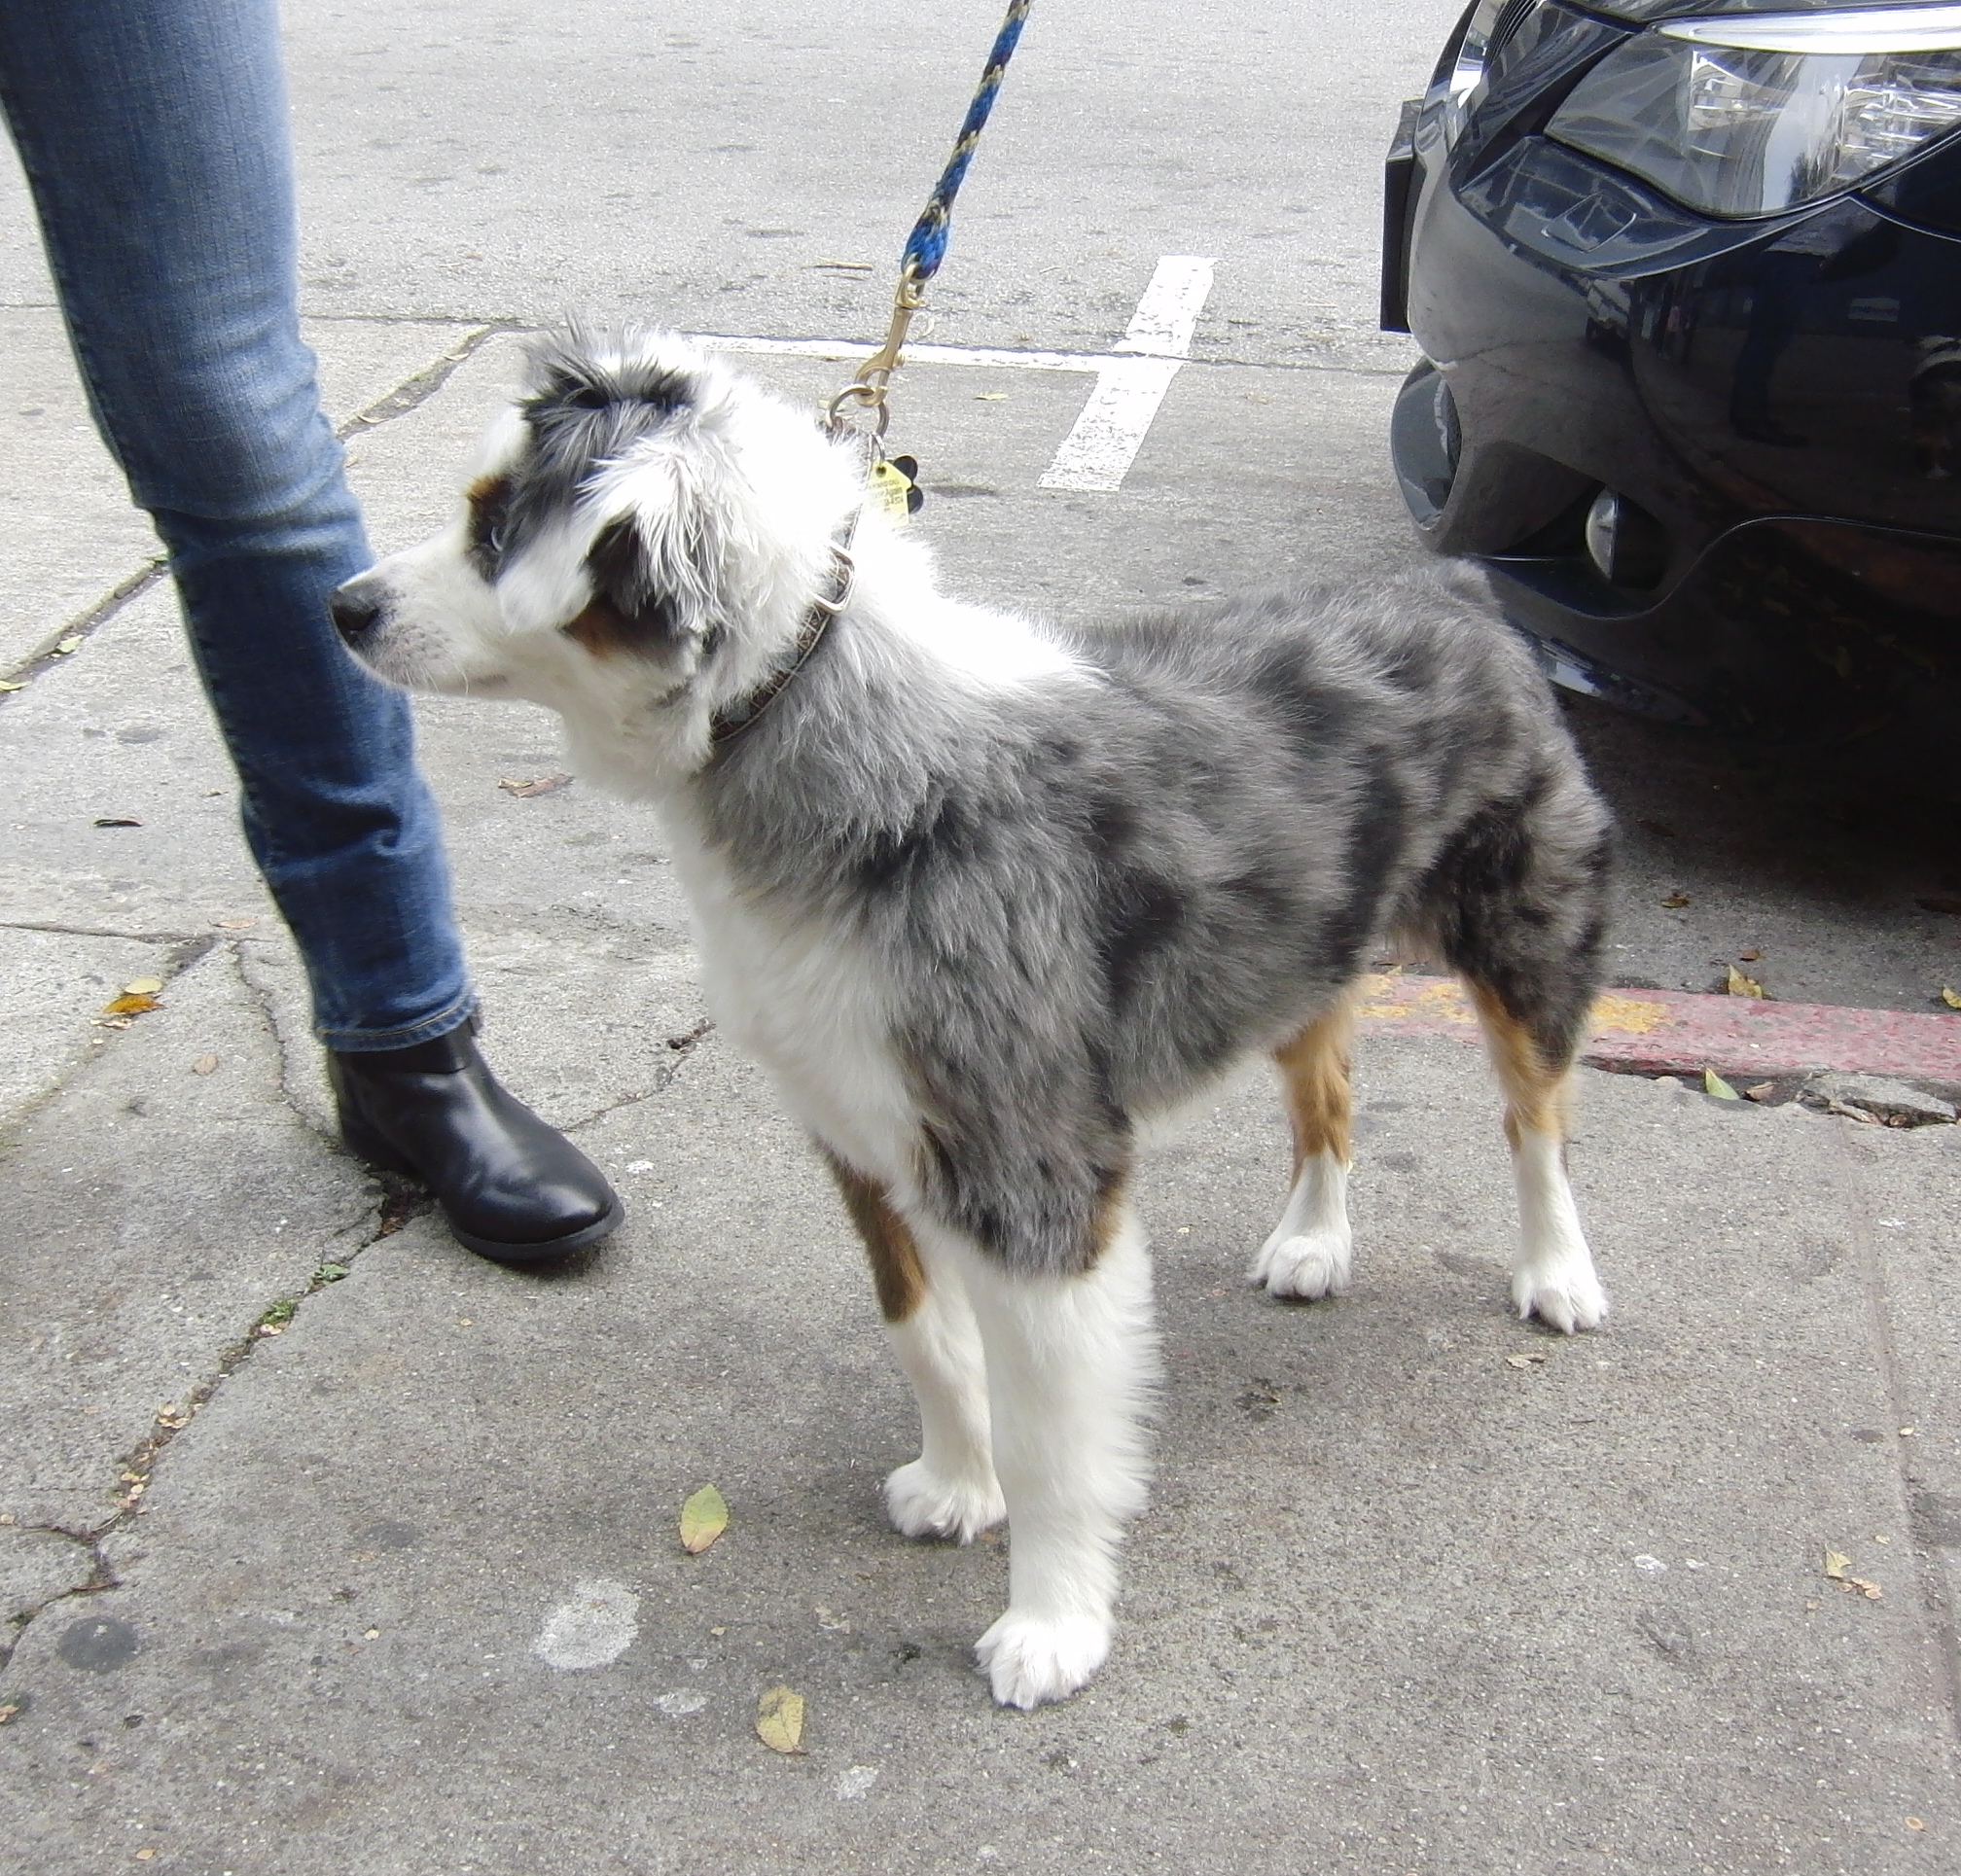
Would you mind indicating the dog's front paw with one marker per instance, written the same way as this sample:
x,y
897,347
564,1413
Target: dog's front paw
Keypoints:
x,y
1029,1659
1566,1297
924,1505
1311,1264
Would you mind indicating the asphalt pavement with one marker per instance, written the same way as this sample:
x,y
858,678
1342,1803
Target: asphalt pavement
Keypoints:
x,y
331,1548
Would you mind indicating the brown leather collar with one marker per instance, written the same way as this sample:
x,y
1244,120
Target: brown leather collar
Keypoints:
x,y
732,722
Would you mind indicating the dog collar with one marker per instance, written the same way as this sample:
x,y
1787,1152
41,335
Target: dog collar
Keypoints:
x,y
732,722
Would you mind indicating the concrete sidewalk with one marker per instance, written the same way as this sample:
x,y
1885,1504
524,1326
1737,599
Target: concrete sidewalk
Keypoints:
x,y
397,1588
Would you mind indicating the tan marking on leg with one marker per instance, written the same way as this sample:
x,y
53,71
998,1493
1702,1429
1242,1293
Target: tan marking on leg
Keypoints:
x,y
1315,1068
1107,1220
896,1272
1537,1094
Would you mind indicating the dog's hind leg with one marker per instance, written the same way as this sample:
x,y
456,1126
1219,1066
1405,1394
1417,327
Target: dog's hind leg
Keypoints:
x,y
949,1491
1071,1365
1308,1252
1518,904
1553,1276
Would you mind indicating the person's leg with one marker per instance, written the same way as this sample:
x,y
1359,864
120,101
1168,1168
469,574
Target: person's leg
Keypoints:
x,y
154,136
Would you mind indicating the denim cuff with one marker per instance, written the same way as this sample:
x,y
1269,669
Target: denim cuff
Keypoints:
x,y
361,1042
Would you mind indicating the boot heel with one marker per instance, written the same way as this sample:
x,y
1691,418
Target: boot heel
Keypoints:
x,y
370,1146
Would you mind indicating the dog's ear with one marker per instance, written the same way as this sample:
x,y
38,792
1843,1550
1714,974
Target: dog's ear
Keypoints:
x,y
655,573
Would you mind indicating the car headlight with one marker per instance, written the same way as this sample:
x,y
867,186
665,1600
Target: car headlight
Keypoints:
x,y
1755,114
1464,68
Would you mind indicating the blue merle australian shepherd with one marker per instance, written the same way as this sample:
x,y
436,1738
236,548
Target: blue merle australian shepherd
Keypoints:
x,y
984,893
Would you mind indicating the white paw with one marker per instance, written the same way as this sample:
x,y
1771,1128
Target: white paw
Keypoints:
x,y
1315,1264
1028,1659
924,1505
1567,1296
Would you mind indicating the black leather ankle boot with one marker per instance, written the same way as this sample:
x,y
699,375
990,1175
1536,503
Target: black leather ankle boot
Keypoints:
x,y
512,1188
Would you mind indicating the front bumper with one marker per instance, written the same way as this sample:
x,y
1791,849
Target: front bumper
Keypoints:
x,y
1753,387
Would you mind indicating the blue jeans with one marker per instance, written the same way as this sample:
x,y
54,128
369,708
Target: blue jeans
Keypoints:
x,y
153,134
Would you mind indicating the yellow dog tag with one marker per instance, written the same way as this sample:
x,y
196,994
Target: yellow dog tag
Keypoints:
x,y
898,495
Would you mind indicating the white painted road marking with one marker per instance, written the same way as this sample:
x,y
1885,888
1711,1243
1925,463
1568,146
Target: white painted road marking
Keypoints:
x,y
844,349
1131,381
596,1626
1096,455
1167,315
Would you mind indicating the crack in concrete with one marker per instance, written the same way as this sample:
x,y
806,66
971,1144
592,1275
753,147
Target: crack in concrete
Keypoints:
x,y
1929,1592
137,1469
98,930
395,1205
683,1046
101,1578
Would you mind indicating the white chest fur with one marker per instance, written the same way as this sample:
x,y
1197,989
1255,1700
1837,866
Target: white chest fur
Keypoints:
x,y
807,1001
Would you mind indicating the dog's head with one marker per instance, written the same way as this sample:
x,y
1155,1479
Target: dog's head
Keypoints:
x,y
643,533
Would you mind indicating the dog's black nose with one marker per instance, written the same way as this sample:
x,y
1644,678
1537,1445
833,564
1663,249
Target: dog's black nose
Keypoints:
x,y
354,616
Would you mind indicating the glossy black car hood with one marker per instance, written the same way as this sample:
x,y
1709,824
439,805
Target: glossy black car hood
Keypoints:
x,y
1645,9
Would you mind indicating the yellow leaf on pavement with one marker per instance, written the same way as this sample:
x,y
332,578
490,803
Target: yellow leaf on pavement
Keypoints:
x,y
779,1720
130,1005
1738,986
142,986
703,1519
1952,999
1714,1084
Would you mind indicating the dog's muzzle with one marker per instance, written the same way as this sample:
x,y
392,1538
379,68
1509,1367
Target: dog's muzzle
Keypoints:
x,y
356,608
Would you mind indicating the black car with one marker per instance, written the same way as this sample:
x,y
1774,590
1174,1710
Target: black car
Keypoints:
x,y
1687,277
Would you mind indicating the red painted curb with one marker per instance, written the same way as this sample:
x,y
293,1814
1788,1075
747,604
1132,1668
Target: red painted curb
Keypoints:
x,y
1675,1032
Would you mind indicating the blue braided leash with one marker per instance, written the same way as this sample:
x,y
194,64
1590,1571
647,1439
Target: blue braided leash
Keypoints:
x,y
926,246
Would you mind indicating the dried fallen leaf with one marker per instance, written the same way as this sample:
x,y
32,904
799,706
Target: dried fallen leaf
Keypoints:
x,y
1676,901
142,986
234,924
779,1720
117,820
1950,998
1750,956
1763,1091
8,1711
1916,1823
1738,986
144,1856
1838,1568
990,397
1714,1084
5,685
543,785
1523,1361
133,1004
204,1065
703,1519
72,643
